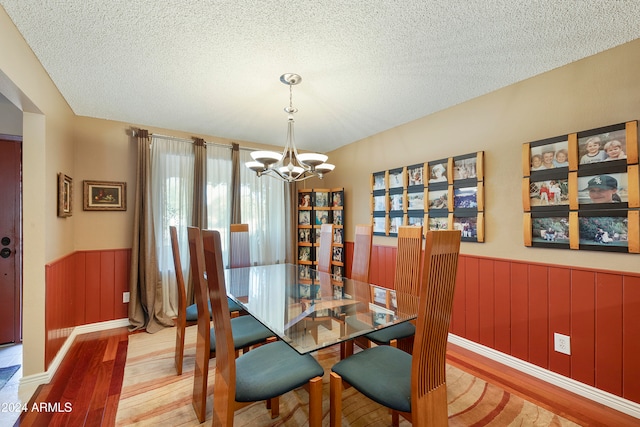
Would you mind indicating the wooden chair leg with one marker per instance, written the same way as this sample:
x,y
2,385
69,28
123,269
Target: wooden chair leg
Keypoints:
x,y
275,407
179,357
335,400
346,349
315,402
395,418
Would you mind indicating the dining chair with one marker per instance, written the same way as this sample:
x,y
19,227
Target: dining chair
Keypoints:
x,y
181,321
246,330
325,249
411,385
187,315
362,245
406,282
264,373
239,253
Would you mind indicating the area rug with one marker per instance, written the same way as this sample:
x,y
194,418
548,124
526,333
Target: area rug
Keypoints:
x,y
152,394
7,373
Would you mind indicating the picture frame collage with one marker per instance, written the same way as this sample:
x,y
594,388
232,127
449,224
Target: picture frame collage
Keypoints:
x,y
443,194
581,190
316,207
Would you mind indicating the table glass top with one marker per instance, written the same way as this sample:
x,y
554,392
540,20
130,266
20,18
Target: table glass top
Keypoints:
x,y
311,310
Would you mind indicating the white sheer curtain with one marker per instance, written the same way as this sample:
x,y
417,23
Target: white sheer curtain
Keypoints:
x,y
219,193
263,208
172,178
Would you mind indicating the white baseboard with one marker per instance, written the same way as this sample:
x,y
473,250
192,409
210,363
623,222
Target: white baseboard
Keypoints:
x,y
584,390
31,382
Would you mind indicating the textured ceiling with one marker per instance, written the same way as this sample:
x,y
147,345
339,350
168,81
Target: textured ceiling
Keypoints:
x,y
213,67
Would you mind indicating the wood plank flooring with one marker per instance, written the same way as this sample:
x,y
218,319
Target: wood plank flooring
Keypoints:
x,y
86,388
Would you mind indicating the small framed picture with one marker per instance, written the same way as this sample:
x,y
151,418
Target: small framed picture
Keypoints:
x,y
322,199
548,193
338,236
396,178
549,230
105,196
337,217
415,219
415,200
337,254
337,198
607,231
607,190
304,235
304,253
465,198
468,226
603,145
465,167
379,181
323,217
438,199
304,200
65,195
380,202
438,222
304,217
380,225
416,175
395,222
396,200
438,171
549,154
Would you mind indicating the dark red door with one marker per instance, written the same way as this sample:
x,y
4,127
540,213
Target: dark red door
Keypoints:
x,y
10,240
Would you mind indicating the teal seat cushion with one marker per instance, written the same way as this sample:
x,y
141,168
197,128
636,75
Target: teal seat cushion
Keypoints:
x,y
395,332
192,310
246,331
382,373
272,370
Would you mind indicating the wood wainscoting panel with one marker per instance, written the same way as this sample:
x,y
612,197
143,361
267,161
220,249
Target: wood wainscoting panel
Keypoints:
x,y
583,320
519,311
539,315
559,316
631,338
486,303
609,333
81,288
502,313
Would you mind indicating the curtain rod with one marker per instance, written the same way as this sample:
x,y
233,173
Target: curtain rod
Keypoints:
x,y
190,141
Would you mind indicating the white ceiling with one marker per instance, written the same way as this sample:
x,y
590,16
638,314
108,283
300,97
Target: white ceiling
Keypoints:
x,y
213,67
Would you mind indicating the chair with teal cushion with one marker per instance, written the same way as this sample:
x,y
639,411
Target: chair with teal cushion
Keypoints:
x,y
406,280
411,385
265,372
246,330
187,316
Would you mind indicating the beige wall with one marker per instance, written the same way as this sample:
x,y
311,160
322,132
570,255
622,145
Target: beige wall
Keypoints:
x,y
597,91
47,149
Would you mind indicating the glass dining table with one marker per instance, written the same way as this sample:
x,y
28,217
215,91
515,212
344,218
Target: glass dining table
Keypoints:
x,y
311,310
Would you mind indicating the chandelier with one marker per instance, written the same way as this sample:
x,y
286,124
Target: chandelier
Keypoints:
x,y
290,166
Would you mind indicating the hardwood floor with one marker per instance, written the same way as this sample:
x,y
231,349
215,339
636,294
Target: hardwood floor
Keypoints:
x,y
86,388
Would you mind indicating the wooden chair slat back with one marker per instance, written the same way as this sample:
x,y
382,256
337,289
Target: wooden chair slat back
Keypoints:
x,y
407,275
428,371
324,250
203,337
225,380
239,252
362,253
177,265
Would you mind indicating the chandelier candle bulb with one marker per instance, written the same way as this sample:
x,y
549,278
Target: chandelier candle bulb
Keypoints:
x,y
290,166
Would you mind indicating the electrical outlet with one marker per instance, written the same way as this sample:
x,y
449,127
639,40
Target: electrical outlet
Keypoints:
x,y
562,343
125,297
